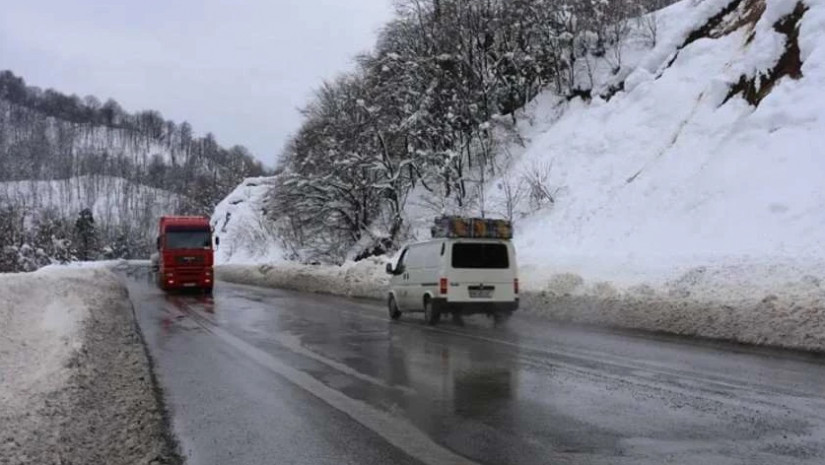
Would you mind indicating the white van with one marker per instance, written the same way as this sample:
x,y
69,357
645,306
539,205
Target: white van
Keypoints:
x,y
454,275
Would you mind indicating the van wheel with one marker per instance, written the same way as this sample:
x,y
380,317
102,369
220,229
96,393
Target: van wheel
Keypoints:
x,y
431,316
395,313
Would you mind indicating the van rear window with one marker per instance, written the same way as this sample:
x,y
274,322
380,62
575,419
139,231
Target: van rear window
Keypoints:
x,y
480,256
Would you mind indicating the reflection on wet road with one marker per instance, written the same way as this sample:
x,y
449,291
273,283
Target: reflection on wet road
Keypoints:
x,y
268,376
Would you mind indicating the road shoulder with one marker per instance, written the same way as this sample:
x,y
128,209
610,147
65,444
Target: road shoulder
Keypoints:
x,y
96,400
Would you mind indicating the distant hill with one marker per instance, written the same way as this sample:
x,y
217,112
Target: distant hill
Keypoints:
x,y
61,154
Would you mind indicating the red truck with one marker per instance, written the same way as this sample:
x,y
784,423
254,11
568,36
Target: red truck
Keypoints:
x,y
185,254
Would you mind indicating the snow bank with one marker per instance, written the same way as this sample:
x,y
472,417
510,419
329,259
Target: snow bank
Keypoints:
x,y
780,304
43,315
75,382
775,303
246,235
365,279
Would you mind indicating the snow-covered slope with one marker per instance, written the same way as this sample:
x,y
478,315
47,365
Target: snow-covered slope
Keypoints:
x,y
246,235
679,170
112,200
702,159
40,218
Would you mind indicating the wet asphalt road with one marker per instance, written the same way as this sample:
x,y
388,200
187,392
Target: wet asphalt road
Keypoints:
x,y
260,376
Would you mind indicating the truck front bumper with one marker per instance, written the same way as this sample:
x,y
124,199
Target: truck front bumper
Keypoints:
x,y
181,279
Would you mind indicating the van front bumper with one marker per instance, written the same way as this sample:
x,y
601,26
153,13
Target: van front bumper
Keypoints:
x,y
471,308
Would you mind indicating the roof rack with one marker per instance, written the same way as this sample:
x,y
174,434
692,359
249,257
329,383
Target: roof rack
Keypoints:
x,y
471,228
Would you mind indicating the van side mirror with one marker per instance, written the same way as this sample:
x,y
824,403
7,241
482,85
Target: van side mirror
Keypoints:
x,y
389,269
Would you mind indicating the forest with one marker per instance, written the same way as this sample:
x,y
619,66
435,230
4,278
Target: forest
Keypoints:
x,y
81,179
421,113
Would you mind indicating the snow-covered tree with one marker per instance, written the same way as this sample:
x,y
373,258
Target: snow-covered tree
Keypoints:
x,y
421,111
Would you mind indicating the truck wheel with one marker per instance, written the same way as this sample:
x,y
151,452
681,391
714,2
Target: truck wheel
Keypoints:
x,y
395,313
431,315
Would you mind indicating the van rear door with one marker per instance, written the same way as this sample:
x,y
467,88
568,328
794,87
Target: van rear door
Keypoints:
x,y
481,271
423,273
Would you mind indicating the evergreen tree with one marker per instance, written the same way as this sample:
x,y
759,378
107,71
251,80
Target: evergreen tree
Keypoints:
x,y
120,249
86,235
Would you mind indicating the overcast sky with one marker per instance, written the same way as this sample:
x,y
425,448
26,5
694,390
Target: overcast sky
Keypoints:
x,y
237,68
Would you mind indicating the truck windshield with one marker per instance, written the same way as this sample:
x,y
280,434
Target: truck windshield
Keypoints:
x,y
476,255
193,239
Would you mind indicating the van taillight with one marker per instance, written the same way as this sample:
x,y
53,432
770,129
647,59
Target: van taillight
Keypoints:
x,y
442,286
515,285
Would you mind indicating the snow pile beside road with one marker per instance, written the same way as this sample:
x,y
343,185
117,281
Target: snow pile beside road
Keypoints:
x,y
246,234
780,303
365,279
75,383
42,319
777,303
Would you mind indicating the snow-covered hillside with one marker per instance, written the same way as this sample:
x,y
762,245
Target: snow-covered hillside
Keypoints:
x,y
40,220
679,169
246,235
112,200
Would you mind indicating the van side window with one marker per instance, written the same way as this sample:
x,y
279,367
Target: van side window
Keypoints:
x,y
402,261
413,257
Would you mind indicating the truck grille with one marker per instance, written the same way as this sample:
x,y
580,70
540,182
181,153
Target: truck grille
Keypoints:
x,y
189,260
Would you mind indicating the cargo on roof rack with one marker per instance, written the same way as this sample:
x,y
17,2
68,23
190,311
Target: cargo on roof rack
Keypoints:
x,y
471,228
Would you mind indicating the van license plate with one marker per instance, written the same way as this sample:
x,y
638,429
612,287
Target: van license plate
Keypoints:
x,y
481,292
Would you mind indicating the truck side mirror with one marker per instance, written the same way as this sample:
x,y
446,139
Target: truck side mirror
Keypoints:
x,y
389,268
157,243
217,240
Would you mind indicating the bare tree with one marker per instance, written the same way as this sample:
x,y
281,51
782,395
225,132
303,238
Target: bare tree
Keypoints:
x,y
537,181
648,25
618,28
513,193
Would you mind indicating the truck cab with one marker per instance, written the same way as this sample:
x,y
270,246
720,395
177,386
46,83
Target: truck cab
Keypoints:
x,y
185,255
